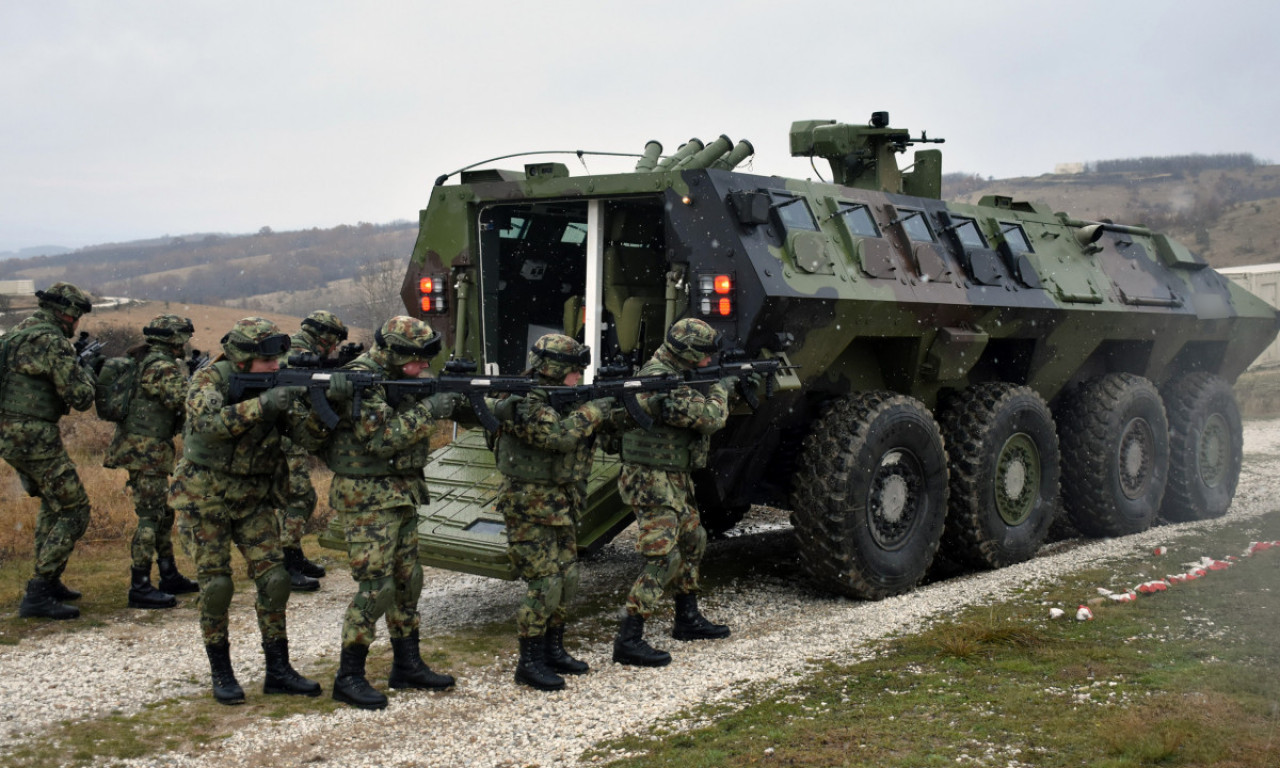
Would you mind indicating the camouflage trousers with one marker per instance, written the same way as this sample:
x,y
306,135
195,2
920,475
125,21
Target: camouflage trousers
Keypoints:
x,y
300,500
382,548
216,510
64,509
671,537
153,538
546,557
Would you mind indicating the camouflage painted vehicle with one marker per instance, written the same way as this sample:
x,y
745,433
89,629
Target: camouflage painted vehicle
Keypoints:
x,y
965,372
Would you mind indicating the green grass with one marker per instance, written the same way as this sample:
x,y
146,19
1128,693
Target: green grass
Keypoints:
x,y
1182,678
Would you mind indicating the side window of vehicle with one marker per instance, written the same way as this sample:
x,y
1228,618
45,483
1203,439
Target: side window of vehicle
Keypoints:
x,y
967,232
793,212
1016,238
915,224
857,217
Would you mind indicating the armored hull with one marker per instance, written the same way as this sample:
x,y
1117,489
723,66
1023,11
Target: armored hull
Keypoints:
x,y
963,374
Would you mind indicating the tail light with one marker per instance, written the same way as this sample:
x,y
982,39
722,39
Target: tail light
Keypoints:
x,y
432,295
716,296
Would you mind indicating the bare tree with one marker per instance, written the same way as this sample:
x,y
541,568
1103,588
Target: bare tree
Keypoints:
x,y
378,291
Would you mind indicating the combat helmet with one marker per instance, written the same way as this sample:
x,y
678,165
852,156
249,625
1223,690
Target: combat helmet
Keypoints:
x,y
65,298
254,338
555,356
403,339
690,340
325,324
172,330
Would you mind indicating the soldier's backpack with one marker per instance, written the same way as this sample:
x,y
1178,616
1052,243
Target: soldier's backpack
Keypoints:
x,y
115,388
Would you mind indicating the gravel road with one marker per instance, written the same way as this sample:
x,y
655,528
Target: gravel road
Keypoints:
x,y
780,628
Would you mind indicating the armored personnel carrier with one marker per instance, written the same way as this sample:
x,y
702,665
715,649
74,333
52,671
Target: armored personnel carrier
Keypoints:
x,y
963,374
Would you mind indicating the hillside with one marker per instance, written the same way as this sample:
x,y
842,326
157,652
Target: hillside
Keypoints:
x,y
1231,216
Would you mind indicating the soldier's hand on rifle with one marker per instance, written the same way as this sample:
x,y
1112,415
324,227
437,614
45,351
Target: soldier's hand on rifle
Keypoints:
x,y
93,363
599,410
505,409
277,400
341,389
443,404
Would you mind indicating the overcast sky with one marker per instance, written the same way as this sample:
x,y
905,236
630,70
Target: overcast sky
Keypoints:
x,y
123,120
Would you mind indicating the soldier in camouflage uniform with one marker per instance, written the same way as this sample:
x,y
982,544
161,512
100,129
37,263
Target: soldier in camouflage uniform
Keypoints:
x,y
545,458
143,444
40,379
320,335
223,493
655,481
377,462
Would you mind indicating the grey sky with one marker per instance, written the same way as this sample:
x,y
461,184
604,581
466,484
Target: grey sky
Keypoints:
x,y
130,119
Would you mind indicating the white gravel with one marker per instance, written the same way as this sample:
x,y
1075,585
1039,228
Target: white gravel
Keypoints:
x,y
780,628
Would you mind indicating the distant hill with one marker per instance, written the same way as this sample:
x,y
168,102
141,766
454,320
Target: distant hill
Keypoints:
x,y
35,250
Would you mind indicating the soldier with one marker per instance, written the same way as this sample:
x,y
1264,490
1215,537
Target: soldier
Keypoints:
x,y
40,377
222,491
545,458
320,335
143,444
655,481
377,459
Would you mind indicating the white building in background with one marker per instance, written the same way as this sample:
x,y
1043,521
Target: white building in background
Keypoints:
x,y
17,287
1263,281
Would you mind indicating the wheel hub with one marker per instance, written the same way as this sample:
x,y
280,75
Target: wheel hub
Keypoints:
x,y
895,498
1212,452
1017,482
1137,444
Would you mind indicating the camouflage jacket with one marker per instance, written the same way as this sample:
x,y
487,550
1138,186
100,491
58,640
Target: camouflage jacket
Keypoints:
x,y
378,459
251,445
43,356
161,384
684,419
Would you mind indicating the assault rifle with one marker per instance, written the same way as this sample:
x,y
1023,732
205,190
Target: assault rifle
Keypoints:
x,y
87,351
195,361
346,353
246,385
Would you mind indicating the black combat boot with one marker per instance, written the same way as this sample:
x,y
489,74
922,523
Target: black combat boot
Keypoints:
x,y
408,669
558,658
40,603
532,668
308,568
143,595
173,582
350,685
690,624
225,687
61,592
629,647
281,676
298,581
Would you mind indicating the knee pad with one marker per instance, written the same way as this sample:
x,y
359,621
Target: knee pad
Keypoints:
x,y
273,588
216,596
413,589
374,596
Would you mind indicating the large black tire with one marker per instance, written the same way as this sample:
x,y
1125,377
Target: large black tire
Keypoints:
x,y
1003,453
870,495
1115,454
1206,446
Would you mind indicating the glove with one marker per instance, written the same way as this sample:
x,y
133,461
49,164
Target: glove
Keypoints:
x,y
277,400
443,404
95,363
505,409
340,389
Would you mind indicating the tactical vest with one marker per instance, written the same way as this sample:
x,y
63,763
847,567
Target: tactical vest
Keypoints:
x,y
518,460
347,456
256,452
668,448
23,396
147,416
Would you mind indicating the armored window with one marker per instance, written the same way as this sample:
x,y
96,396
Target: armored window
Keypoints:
x,y
967,232
1015,237
793,212
857,217
575,233
515,228
915,225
